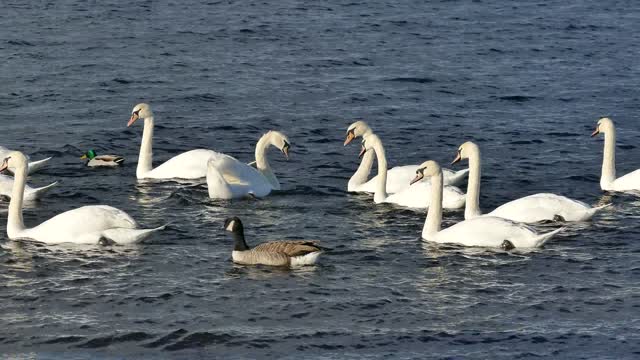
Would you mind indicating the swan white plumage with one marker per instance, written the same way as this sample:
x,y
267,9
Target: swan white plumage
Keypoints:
x,y
188,165
528,209
397,177
84,225
608,180
6,188
485,231
228,178
33,165
414,196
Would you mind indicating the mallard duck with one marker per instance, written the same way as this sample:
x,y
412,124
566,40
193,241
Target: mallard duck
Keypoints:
x,y
101,160
273,253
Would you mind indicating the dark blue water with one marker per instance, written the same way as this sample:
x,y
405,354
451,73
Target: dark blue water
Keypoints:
x,y
526,80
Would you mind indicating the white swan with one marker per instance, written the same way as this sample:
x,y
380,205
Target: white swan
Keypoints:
x,y
6,188
529,209
414,196
188,165
84,225
33,165
228,178
487,231
608,180
397,177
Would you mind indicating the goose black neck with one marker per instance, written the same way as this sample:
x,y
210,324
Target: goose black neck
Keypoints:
x,y
238,238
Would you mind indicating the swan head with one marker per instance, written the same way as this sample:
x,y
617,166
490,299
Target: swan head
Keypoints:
x,y
281,141
426,169
141,110
368,143
357,129
465,151
604,124
13,160
234,225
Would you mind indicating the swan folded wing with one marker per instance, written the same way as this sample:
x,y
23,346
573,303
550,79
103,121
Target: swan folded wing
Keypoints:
x,y
540,207
489,231
188,165
289,248
84,222
630,181
235,172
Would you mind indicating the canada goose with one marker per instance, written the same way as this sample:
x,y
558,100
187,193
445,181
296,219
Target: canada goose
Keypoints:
x,y
273,253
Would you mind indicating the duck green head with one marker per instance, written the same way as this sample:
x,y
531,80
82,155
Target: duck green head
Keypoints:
x,y
89,154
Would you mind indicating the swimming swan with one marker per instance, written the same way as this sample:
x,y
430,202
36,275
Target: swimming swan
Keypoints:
x,y
486,231
397,177
415,196
188,165
608,180
529,209
84,225
228,178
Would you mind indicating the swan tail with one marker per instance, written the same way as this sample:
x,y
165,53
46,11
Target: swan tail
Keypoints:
x,y
37,165
216,184
543,238
38,192
130,236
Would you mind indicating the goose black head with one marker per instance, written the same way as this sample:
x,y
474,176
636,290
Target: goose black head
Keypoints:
x,y
234,226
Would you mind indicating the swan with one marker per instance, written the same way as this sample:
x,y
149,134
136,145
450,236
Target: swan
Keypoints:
x,y
6,187
608,180
415,196
33,165
228,178
397,177
96,160
273,253
529,209
188,165
485,231
84,225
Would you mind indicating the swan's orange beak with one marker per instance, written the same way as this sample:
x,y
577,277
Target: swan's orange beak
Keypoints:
x,y
362,151
4,166
133,119
350,137
458,158
418,177
596,131
285,151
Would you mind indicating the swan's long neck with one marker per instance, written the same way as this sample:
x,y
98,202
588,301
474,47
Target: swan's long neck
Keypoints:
x,y
609,159
434,213
15,223
381,189
472,208
146,149
263,165
362,174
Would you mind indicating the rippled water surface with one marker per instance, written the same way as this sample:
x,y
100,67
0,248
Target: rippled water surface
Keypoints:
x,y
526,80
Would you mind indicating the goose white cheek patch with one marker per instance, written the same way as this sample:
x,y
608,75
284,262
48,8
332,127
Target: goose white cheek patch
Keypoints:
x,y
231,224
